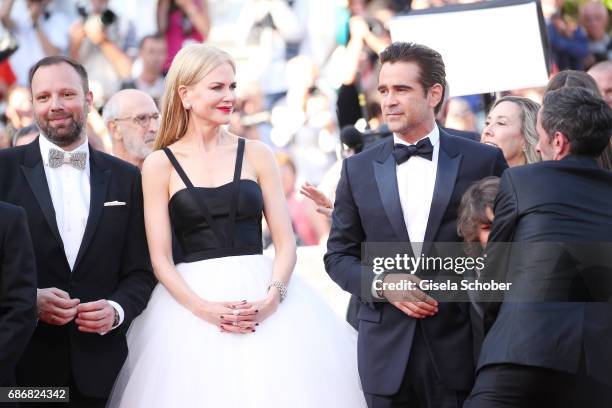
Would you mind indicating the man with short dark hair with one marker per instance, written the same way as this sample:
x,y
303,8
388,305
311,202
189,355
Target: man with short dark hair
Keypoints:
x,y
85,212
406,189
549,343
152,52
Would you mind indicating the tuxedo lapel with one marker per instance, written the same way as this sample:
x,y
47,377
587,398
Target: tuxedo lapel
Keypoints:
x,y
386,181
34,172
99,180
449,161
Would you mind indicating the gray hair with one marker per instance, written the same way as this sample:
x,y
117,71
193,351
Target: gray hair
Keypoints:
x,y
110,111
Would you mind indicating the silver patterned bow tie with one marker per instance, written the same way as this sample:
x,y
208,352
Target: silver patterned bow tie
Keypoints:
x,y
57,158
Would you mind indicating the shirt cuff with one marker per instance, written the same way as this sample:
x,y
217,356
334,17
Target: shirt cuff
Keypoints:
x,y
373,290
119,310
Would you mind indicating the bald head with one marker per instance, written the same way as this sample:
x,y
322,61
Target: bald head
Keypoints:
x,y
132,119
594,19
602,74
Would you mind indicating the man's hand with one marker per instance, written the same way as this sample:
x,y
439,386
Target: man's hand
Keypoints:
x,y
55,306
36,10
95,31
415,303
77,32
95,317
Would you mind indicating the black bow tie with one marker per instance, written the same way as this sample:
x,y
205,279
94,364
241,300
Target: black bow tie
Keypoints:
x,y
403,152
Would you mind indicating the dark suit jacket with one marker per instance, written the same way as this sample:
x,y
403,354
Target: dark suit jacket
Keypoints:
x,y
112,263
552,206
462,133
17,289
368,209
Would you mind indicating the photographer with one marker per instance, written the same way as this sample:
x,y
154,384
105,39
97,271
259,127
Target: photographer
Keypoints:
x,y
102,41
39,33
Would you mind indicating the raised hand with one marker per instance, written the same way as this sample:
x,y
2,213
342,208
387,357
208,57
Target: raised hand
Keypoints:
x,y
324,204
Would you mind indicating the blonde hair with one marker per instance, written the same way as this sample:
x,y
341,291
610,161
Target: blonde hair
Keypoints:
x,y
190,65
529,113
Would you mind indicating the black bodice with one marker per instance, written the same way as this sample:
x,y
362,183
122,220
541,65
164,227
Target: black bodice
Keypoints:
x,y
217,221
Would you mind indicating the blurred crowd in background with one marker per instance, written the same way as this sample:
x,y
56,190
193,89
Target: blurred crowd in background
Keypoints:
x,y
307,75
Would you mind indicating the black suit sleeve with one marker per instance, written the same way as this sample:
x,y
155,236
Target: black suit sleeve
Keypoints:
x,y
499,245
343,257
17,290
136,275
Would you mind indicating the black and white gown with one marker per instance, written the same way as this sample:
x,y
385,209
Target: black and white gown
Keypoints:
x,y
303,355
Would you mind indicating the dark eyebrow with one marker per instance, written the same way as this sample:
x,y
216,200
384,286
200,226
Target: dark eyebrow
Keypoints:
x,y
396,86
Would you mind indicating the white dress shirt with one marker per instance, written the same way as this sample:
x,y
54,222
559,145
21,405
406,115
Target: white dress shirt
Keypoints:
x,y
416,179
70,191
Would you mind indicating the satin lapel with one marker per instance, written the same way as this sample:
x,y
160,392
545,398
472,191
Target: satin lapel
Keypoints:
x,y
448,169
386,180
100,178
34,172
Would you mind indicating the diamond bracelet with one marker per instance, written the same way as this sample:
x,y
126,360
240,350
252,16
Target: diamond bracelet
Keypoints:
x,y
282,288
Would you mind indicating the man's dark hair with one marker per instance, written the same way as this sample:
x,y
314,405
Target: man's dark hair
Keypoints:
x,y
431,65
60,59
581,115
156,36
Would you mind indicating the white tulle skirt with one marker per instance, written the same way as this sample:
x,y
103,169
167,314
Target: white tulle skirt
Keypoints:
x,y
301,356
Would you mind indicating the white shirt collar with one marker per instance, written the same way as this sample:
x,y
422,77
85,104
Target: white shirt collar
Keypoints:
x,y
46,145
434,137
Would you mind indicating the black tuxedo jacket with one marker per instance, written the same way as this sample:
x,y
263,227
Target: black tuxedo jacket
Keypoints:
x,y
541,206
17,289
368,209
112,263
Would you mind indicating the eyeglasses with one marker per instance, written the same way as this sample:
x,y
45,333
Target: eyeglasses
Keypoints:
x,y
142,120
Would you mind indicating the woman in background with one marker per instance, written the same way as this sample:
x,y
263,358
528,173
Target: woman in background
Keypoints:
x,y
511,126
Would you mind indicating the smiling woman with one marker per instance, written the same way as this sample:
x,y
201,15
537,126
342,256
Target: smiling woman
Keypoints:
x,y
510,126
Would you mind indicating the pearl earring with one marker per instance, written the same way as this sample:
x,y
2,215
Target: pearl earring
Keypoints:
x,y
187,106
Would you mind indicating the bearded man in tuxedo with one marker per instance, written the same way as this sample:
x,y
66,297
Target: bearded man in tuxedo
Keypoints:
x,y
85,213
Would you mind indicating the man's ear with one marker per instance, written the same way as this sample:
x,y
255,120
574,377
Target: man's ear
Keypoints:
x,y
436,94
112,129
89,101
561,144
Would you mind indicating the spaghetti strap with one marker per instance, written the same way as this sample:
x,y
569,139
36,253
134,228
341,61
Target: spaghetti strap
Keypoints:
x,y
236,192
197,198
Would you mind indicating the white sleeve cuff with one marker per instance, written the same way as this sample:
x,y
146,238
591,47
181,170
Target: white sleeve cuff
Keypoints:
x,y
119,310
373,288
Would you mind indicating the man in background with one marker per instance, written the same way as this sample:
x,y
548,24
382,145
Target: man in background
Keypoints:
x,y
132,120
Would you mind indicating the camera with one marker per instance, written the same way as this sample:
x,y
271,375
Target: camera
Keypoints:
x,y
107,18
